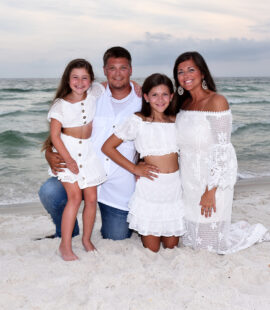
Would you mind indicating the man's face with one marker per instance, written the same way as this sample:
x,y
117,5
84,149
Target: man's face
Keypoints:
x,y
118,72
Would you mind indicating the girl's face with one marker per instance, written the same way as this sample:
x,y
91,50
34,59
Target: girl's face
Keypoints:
x,y
79,81
159,98
189,75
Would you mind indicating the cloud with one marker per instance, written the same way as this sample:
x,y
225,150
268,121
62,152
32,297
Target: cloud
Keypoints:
x,y
161,50
34,33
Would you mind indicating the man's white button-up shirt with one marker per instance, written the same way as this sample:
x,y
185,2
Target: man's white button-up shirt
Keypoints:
x,y
120,185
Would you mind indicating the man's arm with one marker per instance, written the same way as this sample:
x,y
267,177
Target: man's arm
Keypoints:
x,y
55,160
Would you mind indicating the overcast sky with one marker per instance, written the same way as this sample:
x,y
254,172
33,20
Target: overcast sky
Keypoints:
x,y
39,37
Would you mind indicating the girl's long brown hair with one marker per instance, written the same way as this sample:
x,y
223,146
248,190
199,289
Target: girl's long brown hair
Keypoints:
x,y
64,89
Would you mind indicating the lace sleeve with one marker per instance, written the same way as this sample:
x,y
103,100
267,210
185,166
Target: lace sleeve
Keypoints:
x,y
222,162
56,111
127,131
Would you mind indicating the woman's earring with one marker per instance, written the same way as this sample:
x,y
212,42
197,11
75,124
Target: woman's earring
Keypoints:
x,y
204,85
180,90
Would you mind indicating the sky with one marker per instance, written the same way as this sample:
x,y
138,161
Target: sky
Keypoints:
x,y
38,38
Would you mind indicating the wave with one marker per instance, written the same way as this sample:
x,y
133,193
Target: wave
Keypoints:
x,y
239,89
249,175
14,138
28,90
21,113
240,100
239,128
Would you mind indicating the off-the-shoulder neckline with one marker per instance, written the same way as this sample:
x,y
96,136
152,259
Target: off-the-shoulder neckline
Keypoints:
x,y
147,122
207,112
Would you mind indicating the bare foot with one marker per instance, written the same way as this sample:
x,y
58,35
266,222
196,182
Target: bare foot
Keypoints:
x,y
67,254
88,245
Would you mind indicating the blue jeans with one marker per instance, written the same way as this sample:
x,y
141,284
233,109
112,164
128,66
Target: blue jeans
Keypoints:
x,y
114,223
53,196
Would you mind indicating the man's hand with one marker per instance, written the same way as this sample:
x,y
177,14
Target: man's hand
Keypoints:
x,y
55,161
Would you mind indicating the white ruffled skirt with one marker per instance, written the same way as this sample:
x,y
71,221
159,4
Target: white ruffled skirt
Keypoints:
x,y
91,171
156,207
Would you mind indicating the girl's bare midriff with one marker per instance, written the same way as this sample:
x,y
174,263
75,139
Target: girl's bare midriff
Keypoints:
x,y
166,164
82,132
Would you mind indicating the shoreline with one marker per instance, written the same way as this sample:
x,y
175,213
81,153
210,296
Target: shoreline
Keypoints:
x,y
35,208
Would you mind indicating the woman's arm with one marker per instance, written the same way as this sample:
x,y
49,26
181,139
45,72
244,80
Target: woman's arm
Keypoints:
x,y
109,148
55,128
222,164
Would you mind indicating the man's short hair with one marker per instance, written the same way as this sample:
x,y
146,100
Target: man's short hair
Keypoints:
x,y
116,52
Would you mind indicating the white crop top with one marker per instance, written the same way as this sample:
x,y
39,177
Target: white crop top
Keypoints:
x,y
150,138
79,113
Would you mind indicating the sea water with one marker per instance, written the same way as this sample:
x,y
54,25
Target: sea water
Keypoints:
x,y
24,105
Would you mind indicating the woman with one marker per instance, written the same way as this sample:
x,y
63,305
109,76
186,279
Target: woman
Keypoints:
x,y
208,162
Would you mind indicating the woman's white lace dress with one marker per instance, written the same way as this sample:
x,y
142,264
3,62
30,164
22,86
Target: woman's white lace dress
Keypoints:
x,y
207,159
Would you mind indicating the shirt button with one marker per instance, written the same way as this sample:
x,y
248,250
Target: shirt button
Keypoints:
x,y
79,154
82,103
84,123
80,142
107,159
84,117
113,126
83,178
80,166
83,111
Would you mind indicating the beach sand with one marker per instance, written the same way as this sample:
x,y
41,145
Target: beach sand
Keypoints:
x,y
124,275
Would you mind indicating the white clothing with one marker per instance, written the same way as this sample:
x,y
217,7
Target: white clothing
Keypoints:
x,y
156,206
120,184
207,159
79,113
91,171
150,138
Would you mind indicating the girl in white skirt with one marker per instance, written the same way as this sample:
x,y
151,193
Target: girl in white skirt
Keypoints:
x,y
156,209
70,120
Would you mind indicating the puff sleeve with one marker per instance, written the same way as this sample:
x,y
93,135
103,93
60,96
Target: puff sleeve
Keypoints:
x,y
222,162
56,111
128,130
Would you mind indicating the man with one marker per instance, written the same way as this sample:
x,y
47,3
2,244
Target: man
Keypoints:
x,y
116,104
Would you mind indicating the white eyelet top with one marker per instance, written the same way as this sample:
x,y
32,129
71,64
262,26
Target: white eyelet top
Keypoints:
x,y
150,138
79,113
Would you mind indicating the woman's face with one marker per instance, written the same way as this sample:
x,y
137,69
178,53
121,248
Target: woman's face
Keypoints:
x,y
189,75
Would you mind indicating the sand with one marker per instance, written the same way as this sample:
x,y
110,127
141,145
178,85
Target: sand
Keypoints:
x,y
124,275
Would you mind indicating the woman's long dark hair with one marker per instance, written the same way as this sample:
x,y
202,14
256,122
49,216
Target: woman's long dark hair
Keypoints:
x,y
151,81
201,64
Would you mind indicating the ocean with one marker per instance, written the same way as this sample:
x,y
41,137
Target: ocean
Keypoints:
x,y
24,104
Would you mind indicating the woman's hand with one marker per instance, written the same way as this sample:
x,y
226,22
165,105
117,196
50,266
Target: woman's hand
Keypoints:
x,y
143,169
208,202
55,161
72,166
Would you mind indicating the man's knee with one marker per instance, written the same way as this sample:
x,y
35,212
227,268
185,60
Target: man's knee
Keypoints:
x,y
52,194
114,223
